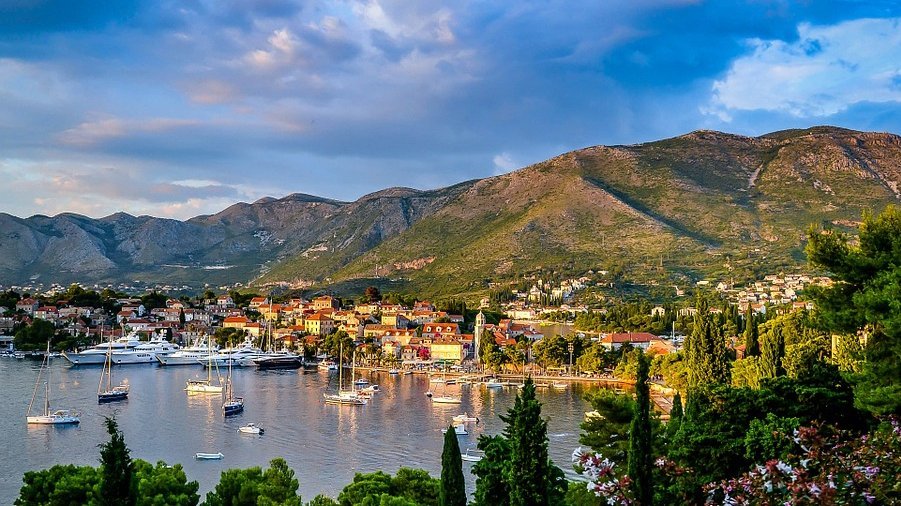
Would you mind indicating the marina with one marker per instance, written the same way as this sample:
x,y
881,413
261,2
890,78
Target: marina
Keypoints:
x,y
325,443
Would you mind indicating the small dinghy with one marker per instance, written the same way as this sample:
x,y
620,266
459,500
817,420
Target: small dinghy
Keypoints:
x,y
208,456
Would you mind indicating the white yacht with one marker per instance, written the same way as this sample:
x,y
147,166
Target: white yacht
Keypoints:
x,y
97,353
188,355
241,356
145,353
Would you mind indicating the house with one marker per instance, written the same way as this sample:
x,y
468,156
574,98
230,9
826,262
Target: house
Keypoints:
x,y
376,330
318,325
236,322
446,350
435,330
27,305
395,320
616,340
46,313
256,302
325,301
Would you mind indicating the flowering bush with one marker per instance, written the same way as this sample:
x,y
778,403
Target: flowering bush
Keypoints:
x,y
823,469
602,480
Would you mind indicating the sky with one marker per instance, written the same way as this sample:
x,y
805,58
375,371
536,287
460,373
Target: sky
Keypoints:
x,y
176,108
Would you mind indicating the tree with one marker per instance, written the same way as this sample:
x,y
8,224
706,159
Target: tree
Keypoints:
x,y
770,438
530,475
116,469
772,349
322,500
864,298
752,345
59,485
705,351
164,484
640,436
411,485
453,486
607,433
491,472
253,487
372,294
675,417
34,336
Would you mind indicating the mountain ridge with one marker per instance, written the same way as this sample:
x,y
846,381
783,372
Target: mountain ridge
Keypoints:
x,y
700,204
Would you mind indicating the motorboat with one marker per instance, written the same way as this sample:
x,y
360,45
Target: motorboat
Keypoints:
x,y
241,356
371,389
48,416
464,418
250,428
145,353
361,382
459,429
445,399
188,355
327,365
208,456
278,361
96,354
494,383
559,385
471,455
393,372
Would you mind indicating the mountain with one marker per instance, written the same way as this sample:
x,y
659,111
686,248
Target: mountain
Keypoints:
x,y
672,211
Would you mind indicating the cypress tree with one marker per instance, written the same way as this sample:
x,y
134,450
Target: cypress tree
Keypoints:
x,y
117,469
640,456
453,486
752,343
675,417
772,349
530,477
705,351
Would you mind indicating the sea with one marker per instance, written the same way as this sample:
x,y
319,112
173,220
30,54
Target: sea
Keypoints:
x,y
324,444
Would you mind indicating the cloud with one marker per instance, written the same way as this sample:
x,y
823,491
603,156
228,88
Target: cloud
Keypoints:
x,y
824,71
503,163
187,105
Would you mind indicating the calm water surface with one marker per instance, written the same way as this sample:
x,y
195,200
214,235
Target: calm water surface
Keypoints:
x,y
325,445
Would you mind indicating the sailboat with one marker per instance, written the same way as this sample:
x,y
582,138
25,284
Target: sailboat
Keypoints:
x,y
57,417
110,393
343,397
232,405
444,398
205,386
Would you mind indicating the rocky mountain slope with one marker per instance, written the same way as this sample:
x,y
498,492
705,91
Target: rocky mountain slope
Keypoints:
x,y
705,203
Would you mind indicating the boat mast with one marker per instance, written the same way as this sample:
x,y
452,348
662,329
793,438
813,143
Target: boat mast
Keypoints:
x,y
49,372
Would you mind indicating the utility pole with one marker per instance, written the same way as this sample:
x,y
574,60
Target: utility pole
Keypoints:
x,y
570,347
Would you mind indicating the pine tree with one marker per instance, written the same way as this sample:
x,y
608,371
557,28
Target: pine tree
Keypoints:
x,y
453,486
527,433
640,456
117,469
675,417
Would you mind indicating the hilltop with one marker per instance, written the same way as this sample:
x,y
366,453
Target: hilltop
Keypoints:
x,y
705,203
